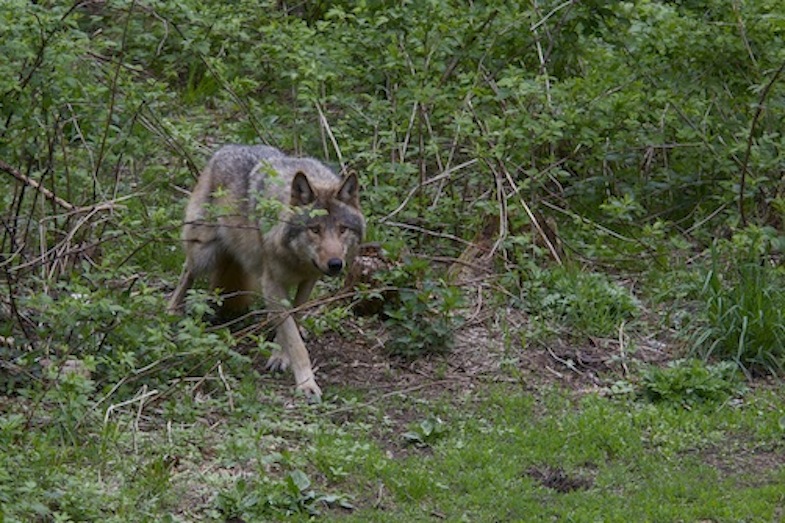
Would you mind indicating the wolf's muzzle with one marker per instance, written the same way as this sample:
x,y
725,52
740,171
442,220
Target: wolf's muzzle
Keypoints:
x,y
334,266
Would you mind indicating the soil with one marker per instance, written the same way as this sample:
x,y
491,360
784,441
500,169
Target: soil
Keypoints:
x,y
483,353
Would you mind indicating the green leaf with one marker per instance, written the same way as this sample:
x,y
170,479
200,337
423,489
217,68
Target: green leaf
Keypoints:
x,y
298,481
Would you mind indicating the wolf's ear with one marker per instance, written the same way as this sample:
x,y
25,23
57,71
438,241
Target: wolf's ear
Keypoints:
x,y
349,191
302,192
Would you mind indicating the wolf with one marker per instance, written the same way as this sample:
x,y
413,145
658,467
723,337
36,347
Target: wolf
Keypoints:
x,y
258,219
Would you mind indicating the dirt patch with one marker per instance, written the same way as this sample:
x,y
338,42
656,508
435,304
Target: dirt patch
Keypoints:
x,y
555,478
751,466
483,351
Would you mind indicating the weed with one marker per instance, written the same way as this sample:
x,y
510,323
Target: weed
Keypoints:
x,y
265,497
424,319
589,302
687,382
743,319
426,432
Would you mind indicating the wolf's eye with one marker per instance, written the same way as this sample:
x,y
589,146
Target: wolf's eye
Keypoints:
x,y
342,229
315,229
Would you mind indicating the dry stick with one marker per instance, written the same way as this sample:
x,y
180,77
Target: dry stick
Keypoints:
x,y
229,393
503,221
113,92
46,193
141,397
557,27
326,127
745,163
743,32
540,55
60,248
408,135
550,14
534,220
135,430
276,316
439,162
429,232
516,190
400,392
153,124
622,351
248,112
435,179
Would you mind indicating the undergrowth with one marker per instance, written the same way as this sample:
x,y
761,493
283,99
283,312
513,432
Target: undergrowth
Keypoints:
x,y
562,154
744,317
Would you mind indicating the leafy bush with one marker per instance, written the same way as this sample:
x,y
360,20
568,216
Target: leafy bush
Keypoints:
x,y
424,318
687,382
589,302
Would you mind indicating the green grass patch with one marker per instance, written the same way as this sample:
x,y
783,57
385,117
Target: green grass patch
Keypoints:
x,y
501,454
589,302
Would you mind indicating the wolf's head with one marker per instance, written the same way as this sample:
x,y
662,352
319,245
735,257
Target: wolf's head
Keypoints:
x,y
332,221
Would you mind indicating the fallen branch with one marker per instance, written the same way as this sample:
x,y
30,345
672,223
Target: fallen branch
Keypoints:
x,y
37,186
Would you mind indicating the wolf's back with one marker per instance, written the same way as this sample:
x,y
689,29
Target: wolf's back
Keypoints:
x,y
237,161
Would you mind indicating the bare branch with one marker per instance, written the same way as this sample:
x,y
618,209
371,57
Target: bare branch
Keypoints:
x,y
37,186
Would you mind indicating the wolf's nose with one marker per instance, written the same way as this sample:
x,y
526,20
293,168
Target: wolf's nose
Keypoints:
x,y
334,265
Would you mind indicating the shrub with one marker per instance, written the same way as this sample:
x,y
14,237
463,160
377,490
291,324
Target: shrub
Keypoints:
x,y
688,382
743,317
425,317
589,302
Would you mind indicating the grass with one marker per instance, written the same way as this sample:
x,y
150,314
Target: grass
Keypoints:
x,y
503,454
480,473
744,317
201,436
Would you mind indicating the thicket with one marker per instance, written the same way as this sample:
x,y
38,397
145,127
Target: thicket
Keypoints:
x,y
611,137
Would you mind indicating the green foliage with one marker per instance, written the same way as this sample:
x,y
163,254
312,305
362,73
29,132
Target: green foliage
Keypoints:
x,y
743,316
266,497
630,123
423,321
589,302
426,432
688,382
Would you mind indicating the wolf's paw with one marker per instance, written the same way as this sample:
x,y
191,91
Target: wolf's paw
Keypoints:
x,y
278,362
311,390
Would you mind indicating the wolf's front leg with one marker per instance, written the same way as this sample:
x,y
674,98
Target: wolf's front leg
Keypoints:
x,y
293,352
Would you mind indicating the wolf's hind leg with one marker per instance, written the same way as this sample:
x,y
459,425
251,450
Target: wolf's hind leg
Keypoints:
x,y
237,285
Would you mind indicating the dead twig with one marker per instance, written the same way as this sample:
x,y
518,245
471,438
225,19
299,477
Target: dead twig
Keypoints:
x,y
229,393
46,193
145,394
391,394
325,126
745,163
